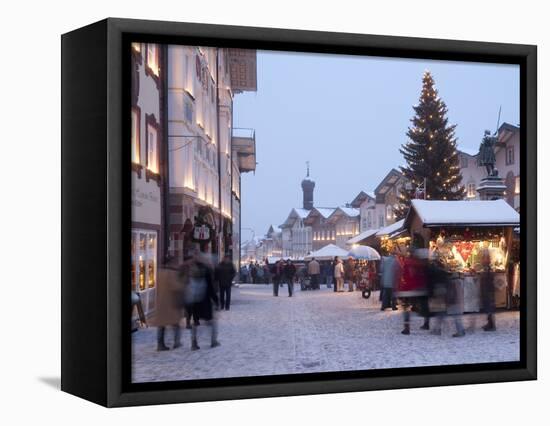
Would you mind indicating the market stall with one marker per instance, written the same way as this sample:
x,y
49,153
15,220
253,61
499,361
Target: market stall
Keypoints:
x,y
466,235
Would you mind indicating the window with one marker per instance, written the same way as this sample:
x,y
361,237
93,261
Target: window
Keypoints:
x,y
188,111
381,220
471,190
516,186
144,260
135,135
136,47
153,59
463,161
152,144
389,212
509,155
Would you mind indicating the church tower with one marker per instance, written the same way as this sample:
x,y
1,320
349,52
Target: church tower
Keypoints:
x,y
307,187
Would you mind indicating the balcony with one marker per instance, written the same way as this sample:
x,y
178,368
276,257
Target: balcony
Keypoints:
x,y
243,142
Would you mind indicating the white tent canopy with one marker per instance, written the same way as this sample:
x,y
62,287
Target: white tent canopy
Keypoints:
x,y
364,252
465,213
328,252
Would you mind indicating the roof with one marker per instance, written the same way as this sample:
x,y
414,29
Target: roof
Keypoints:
x,y
390,179
465,213
390,229
295,212
350,211
362,236
362,196
325,211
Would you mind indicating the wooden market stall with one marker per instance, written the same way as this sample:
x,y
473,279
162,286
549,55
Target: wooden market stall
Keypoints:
x,y
460,232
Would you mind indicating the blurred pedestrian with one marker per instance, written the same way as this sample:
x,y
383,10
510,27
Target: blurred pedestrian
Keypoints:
x,y
290,271
339,274
170,303
276,277
349,272
253,273
390,276
314,270
487,290
225,272
199,295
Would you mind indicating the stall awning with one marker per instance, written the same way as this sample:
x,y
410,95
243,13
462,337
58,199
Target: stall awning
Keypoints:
x,y
390,229
464,213
362,236
328,252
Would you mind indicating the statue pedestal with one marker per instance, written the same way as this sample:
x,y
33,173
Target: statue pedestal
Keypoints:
x,y
491,188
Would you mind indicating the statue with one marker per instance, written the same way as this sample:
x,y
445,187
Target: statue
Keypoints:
x,y
486,156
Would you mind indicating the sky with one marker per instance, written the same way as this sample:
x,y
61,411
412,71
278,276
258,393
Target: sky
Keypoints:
x,y
348,116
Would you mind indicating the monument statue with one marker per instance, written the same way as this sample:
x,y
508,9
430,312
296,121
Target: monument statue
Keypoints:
x,y
486,155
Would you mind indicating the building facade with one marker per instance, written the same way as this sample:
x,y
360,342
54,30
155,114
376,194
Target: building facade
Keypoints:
x,y
148,179
204,154
366,203
386,197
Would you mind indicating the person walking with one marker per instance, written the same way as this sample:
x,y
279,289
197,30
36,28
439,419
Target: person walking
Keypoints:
x,y
390,275
290,271
349,272
314,270
200,294
276,277
225,272
253,273
339,275
169,304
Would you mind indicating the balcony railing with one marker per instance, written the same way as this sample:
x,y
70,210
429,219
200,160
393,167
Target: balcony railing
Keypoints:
x,y
243,141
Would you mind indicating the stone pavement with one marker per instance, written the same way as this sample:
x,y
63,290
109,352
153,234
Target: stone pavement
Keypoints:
x,y
316,331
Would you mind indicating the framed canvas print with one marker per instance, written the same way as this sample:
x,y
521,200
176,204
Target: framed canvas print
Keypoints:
x,y
254,212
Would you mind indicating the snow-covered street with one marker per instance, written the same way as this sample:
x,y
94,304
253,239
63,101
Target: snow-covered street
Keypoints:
x,y
316,331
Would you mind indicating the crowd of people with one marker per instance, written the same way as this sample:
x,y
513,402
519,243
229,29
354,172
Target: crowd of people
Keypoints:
x,y
192,290
412,280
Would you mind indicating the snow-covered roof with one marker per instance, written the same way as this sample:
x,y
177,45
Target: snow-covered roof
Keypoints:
x,y
327,252
362,236
390,229
350,211
325,211
301,212
462,213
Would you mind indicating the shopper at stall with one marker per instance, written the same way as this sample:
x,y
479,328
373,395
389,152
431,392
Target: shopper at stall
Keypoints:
x,y
349,272
339,275
487,290
413,288
333,269
314,270
390,276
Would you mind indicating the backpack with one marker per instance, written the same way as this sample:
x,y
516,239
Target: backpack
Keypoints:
x,y
196,290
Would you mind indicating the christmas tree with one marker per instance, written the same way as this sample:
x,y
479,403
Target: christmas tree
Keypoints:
x,y
432,162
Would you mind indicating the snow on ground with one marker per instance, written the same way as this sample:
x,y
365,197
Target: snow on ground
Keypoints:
x,y
316,331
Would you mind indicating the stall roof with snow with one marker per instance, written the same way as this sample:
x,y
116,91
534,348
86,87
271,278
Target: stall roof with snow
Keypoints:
x,y
327,252
390,229
463,213
362,236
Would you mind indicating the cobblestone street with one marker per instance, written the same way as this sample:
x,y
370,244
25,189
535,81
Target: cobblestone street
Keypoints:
x,y
316,331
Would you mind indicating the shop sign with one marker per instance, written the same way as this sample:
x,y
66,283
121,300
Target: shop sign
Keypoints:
x,y
201,233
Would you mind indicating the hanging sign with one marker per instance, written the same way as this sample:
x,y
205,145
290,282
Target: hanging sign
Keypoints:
x,y
201,233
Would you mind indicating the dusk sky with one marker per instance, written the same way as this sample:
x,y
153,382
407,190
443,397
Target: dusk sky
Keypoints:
x,y
348,116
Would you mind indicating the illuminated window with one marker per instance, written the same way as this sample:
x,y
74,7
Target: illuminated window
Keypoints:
x,y
516,186
144,260
153,59
135,135
389,212
136,47
152,144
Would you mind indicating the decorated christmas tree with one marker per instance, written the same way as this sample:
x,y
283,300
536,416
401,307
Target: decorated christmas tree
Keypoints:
x,y
432,163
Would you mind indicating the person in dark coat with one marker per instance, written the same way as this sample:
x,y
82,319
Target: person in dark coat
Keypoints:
x,y
487,291
333,271
290,271
225,272
200,293
276,277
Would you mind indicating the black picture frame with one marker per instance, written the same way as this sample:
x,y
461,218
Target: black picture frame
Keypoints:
x,y
96,211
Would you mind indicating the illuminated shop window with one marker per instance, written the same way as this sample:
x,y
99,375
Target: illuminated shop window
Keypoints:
x,y
516,185
135,135
144,260
152,149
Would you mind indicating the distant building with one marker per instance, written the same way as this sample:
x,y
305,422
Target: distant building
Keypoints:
x,y
386,196
366,203
322,230
346,224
